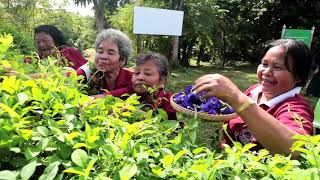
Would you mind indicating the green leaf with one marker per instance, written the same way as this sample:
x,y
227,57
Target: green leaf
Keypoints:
x,y
8,175
128,171
166,151
199,167
10,111
80,157
246,147
158,171
36,93
43,131
76,170
179,155
25,133
22,97
50,172
167,160
15,149
198,150
31,153
43,143
169,124
79,145
28,170
193,123
89,167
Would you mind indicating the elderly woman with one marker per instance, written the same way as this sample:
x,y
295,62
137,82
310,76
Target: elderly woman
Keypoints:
x,y
270,112
50,41
107,75
150,76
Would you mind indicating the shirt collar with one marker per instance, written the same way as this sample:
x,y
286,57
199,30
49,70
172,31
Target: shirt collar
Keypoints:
x,y
276,100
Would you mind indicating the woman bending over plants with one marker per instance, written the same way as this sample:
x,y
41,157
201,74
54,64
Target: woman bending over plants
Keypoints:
x,y
107,75
50,41
149,77
270,112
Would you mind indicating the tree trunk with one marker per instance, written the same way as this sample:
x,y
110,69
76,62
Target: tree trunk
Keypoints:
x,y
186,52
175,40
99,7
200,54
175,48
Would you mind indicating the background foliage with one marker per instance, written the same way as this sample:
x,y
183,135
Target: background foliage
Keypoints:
x,y
217,31
50,130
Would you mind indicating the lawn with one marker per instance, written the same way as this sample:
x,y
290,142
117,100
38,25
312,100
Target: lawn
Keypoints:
x,y
242,75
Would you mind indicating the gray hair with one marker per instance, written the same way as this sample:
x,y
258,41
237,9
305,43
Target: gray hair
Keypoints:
x,y
119,38
160,60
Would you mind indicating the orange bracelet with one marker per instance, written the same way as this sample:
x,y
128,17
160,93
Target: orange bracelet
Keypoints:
x,y
245,105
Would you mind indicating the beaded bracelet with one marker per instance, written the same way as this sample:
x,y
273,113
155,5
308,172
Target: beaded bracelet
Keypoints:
x,y
245,105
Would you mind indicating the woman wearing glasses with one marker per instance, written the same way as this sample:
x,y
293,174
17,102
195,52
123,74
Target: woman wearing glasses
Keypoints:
x,y
271,112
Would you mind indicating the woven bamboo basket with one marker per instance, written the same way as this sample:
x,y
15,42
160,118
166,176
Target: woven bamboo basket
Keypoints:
x,y
201,115
209,130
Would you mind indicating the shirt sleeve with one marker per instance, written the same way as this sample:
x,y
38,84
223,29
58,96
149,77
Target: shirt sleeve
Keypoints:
x,y
296,116
73,55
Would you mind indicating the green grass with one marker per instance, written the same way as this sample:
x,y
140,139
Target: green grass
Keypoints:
x,y
242,75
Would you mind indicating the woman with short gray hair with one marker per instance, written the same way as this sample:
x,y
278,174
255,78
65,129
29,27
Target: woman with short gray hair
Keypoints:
x,y
107,76
151,72
119,38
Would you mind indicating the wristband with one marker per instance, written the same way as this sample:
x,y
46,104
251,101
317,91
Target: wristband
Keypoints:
x,y
245,105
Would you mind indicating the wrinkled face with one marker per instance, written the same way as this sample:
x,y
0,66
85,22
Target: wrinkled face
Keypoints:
x,y
145,75
44,44
107,57
273,75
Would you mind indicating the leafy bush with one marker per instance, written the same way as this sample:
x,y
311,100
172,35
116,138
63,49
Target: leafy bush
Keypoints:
x,y
23,42
50,130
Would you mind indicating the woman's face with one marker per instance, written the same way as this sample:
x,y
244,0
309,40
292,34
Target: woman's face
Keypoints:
x,y
44,44
107,57
145,75
274,77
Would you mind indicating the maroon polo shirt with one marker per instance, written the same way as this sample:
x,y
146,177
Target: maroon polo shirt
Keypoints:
x,y
73,56
123,83
285,112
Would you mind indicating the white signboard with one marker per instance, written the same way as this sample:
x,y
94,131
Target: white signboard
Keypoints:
x,y
157,21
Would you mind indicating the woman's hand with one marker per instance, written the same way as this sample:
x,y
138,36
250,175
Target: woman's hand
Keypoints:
x,y
218,86
98,96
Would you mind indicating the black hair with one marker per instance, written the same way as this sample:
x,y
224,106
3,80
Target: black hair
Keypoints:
x,y
54,32
300,56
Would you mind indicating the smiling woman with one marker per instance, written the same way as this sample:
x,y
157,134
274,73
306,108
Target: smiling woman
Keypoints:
x,y
107,75
50,41
270,112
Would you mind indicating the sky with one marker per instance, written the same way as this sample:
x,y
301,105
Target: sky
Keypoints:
x,y
71,7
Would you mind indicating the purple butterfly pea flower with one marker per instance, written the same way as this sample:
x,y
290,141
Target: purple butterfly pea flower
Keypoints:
x,y
227,110
188,89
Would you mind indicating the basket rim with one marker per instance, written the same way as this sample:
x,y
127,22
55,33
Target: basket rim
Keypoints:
x,y
204,116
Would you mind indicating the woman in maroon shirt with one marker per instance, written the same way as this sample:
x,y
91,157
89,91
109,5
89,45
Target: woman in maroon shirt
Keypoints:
x,y
107,75
151,71
271,112
50,41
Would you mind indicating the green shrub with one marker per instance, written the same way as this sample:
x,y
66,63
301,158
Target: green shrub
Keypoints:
x,y
22,41
50,130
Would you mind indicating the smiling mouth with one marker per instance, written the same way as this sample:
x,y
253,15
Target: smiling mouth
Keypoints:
x,y
268,82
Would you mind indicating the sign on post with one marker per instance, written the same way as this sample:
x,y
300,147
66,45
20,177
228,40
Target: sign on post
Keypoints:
x,y
157,21
303,35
